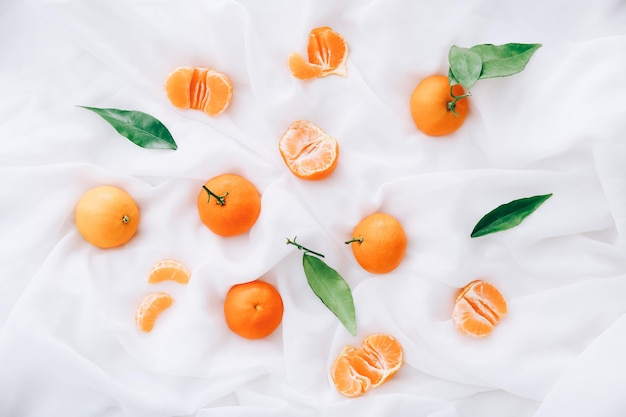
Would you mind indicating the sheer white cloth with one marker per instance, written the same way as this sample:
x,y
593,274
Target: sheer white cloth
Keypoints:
x,y
68,342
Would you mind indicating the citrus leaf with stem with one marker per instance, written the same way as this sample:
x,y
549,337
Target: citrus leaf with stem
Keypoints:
x,y
509,215
140,128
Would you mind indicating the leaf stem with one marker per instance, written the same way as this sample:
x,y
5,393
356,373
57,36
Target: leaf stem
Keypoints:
x,y
220,198
299,246
452,104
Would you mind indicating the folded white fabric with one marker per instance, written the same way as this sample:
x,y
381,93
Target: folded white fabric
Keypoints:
x,y
68,342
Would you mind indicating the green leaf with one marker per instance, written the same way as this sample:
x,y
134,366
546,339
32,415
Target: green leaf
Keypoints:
x,y
332,289
504,60
508,215
465,65
140,128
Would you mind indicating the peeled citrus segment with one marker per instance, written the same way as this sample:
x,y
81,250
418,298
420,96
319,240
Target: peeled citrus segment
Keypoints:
x,y
169,270
309,153
328,49
199,88
327,53
357,370
302,69
150,308
478,308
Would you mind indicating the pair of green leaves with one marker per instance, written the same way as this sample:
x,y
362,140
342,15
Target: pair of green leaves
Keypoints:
x,y
140,128
468,65
329,286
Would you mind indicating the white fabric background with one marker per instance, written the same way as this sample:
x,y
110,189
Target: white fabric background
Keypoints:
x,y
68,342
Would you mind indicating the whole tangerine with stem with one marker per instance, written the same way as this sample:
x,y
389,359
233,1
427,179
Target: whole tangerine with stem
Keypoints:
x,y
107,216
254,309
229,204
379,243
438,109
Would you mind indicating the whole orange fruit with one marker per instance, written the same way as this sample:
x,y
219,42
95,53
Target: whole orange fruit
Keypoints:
x,y
429,106
107,216
229,204
253,309
379,243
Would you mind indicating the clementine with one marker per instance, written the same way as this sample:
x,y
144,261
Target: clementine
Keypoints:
x,y
378,243
357,370
310,154
478,308
107,216
199,88
253,310
430,109
229,204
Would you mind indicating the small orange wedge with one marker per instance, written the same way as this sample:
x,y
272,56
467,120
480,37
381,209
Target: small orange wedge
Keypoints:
x,y
310,154
169,270
150,308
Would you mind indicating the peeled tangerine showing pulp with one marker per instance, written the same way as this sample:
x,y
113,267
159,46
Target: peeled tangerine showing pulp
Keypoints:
x,y
357,370
199,88
327,53
150,308
169,270
478,308
310,154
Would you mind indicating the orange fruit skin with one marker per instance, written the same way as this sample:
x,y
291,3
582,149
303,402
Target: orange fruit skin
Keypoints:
x,y
429,106
478,308
357,370
241,208
199,88
327,53
383,244
150,308
309,153
107,216
253,310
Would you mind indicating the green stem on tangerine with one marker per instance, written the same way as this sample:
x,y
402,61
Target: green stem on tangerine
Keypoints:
x,y
125,219
220,198
354,239
299,246
452,104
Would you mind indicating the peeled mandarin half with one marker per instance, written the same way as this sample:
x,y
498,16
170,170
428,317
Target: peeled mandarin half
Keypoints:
x,y
199,88
169,270
478,308
357,370
327,53
310,154
150,308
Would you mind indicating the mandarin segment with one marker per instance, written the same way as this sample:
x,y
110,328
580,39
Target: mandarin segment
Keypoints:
x,y
308,152
379,243
429,106
327,53
229,205
107,216
169,270
199,88
150,309
357,370
478,308
253,310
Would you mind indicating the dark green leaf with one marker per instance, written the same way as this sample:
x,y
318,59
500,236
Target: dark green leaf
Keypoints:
x,y
332,289
140,128
465,65
508,215
504,60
